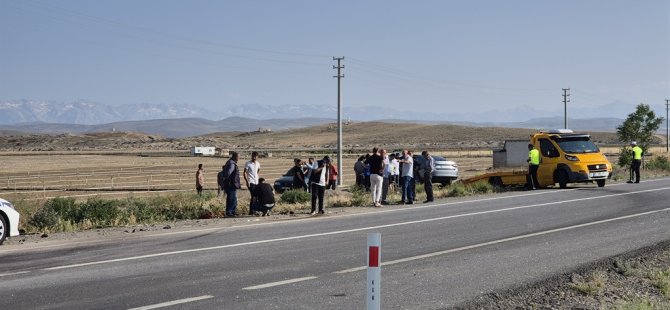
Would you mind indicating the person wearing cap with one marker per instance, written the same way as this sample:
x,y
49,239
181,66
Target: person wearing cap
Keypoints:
x,y
637,161
533,165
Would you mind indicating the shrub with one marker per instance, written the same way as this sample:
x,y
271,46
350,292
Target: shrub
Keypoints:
x,y
625,157
481,187
660,163
100,212
141,211
65,208
359,197
456,190
295,196
44,218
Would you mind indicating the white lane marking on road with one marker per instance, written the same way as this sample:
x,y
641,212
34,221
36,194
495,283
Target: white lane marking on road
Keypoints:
x,y
278,283
474,246
347,231
174,302
12,273
161,234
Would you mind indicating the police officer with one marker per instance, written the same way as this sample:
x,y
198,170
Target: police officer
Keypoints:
x,y
637,161
533,164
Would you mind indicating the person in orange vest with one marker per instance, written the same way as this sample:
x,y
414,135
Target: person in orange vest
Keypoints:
x,y
533,165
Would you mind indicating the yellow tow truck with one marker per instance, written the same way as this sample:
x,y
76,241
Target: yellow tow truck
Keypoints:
x,y
565,157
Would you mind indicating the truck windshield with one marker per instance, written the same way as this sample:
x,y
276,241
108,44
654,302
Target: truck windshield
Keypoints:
x,y
577,145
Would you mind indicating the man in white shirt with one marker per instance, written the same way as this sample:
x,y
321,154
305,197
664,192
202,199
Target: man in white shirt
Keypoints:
x,y
319,178
395,171
386,176
406,176
251,170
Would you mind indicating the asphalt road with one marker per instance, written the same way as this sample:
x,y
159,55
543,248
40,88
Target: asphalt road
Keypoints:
x,y
434,256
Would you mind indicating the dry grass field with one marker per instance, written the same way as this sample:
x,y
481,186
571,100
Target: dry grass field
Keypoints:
x,y
83,176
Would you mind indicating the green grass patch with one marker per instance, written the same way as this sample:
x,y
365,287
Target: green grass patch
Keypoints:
x,y
626,268
592,285
639,304
295,196
661,280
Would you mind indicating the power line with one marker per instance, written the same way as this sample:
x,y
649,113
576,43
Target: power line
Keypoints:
x,y
592,95
169,35
102,23
389,70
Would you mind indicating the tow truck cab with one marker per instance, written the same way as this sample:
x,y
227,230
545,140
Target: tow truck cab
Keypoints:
x,y
568,157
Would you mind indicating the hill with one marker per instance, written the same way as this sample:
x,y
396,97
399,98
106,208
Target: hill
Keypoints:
x,y
177,128
356,135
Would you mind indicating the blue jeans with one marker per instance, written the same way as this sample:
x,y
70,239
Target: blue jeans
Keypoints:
x,y
407,189
231,200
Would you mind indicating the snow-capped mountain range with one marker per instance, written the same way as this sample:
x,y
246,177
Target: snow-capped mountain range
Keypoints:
x,y
84,112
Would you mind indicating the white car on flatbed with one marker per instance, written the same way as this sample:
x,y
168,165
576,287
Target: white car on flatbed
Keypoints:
x,y
9,220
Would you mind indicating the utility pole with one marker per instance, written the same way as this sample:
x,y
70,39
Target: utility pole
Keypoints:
x,y
667,126
339,77
565,107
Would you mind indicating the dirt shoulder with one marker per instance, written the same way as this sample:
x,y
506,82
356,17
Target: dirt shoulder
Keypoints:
x,y
638,279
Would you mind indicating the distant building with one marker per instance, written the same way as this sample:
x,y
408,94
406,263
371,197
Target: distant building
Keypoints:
x,y
203,151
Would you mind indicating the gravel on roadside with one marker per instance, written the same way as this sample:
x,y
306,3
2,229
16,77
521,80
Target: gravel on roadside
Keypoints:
x,y
638,279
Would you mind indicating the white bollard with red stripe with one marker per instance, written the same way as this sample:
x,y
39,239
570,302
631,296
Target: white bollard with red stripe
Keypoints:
x,y
373,301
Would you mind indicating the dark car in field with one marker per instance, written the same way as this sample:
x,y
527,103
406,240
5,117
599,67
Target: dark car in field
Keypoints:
x,y
285,182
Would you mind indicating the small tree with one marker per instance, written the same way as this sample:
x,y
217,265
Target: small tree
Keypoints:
x,y
640,126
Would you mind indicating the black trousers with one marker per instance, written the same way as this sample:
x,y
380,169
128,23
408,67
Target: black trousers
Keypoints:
x,y
428,186
252,186
636,169
533,183
317,193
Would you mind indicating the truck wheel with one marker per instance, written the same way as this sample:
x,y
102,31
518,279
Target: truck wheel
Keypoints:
x,y
4,231
562,179
601,183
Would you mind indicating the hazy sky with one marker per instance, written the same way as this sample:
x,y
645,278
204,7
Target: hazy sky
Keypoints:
x,y
430,55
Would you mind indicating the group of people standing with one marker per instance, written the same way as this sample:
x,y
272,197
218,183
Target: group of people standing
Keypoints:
x,y
378,171
302,173
228,182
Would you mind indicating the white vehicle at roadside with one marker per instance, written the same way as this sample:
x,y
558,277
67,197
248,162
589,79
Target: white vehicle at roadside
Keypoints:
x,y
9,220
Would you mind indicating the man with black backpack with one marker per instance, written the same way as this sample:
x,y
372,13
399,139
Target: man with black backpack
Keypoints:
x,y
231,184
220,181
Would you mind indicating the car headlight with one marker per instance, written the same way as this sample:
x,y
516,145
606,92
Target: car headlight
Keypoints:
x,y
571,157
